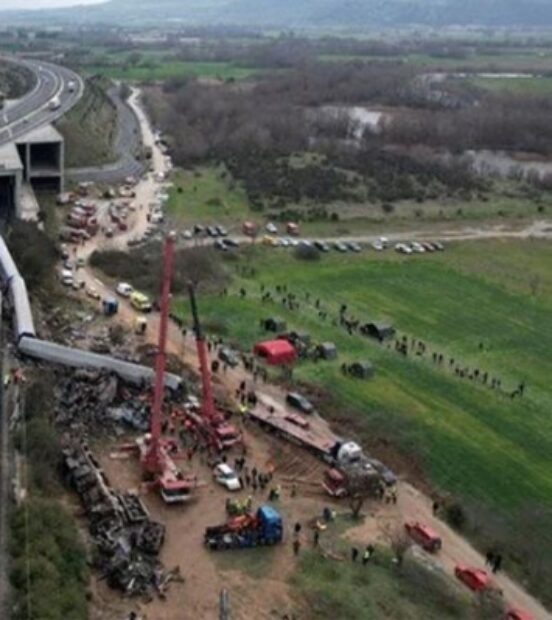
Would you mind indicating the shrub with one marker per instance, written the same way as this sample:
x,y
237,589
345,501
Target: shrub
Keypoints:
x,y
306,252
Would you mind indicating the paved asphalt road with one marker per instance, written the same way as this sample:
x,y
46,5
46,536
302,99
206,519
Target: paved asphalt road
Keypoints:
x,y
32,110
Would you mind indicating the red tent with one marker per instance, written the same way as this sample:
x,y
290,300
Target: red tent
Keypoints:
x,y
276,352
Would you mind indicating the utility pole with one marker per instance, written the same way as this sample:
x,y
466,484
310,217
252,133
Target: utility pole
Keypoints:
x,y
224,605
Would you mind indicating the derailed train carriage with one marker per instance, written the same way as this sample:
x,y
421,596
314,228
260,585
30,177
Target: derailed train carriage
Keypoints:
x,y
14,289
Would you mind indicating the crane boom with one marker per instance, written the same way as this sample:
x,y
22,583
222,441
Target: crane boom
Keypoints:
x,y
207,401
154,460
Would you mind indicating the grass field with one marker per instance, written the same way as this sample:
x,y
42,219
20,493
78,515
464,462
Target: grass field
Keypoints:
x,y
479,444
163,70
349,590
206,195
509,61
532,86
209,195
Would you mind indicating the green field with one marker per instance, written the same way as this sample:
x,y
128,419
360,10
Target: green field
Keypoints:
x,y
163,70
508,61
472,441
206,195
209,195
532,86
378,591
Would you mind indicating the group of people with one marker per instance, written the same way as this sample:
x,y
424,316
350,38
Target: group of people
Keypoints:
x,y
494,560
367,554
296,544
403,345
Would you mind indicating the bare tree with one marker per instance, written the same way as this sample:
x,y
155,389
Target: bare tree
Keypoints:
x,y
361,484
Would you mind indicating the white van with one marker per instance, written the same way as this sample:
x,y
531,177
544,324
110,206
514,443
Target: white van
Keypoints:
x,y
124,290
66,277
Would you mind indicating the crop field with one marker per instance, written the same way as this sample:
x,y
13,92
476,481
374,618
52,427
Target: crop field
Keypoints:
x,y
485,304
527,85
155,70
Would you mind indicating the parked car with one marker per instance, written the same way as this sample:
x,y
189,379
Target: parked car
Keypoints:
x,y
424,536
322,246
517,614
228,356
293,399
227,477
439,246
354,246
386,474
187,234
92,293
341,247
222,232
475,578
124,289
212,231
231,243
271,228
377,246
66,277
219,244
198,229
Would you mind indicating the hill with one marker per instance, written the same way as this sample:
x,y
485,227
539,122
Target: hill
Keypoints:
x,y
326,14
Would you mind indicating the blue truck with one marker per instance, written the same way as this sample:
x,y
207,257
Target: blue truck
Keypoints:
x,y
263,528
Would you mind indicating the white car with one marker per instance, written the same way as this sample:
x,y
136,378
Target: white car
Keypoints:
x,y
124,290
377,246
187,234
92,293
417,247
226,476
271,228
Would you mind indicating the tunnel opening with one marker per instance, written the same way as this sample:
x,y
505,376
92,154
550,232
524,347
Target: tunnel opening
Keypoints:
x,y
7,197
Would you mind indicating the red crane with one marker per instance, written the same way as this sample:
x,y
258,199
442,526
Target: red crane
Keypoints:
x,y
220,434
157,463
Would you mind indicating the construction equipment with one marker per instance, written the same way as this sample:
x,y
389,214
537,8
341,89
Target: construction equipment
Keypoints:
x,y
212,423
263,528
157,465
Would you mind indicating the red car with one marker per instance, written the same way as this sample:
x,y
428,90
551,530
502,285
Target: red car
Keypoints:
x,y
423,536
517,614
475,578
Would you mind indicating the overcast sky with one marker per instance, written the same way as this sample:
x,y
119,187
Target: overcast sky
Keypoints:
x,y
41,4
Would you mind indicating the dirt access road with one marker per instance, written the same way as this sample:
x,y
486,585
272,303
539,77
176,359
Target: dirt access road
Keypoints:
x,y
197,599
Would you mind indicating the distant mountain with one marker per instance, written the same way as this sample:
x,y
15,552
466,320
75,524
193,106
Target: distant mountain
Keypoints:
x,y
355,14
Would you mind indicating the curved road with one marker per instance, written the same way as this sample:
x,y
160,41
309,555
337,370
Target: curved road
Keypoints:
x,y
127,142
33,109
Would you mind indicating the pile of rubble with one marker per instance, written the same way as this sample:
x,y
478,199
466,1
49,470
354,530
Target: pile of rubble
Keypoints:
x,y
88,400
127,541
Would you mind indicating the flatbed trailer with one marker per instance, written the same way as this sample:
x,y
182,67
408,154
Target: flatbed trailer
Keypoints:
x,y
317,437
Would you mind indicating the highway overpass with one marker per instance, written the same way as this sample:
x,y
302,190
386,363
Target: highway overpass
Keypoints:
x,y
32,153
